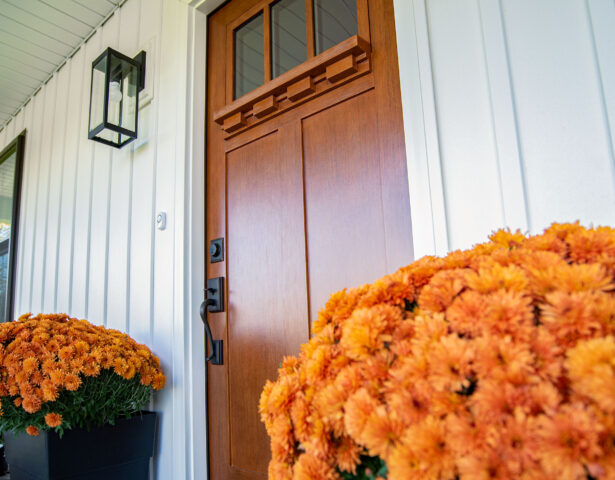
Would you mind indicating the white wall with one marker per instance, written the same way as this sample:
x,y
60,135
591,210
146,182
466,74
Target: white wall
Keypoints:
x,y
509,109
88,245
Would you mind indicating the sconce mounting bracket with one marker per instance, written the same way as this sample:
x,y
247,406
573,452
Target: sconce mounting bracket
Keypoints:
x,y
140,59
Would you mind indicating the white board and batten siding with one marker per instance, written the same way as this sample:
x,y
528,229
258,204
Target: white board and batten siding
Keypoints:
x,y
88,243
509,112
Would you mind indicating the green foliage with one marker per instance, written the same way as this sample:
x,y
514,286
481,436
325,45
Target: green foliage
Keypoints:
x,y
98,401
410,306
370,468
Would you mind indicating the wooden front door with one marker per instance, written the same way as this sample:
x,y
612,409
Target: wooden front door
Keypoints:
x,y
306,183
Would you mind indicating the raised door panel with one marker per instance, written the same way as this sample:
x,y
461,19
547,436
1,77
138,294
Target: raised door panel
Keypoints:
x,y
267,309
343,198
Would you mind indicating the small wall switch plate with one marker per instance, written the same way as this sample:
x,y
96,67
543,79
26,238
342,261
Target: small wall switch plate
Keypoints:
x,y
161,221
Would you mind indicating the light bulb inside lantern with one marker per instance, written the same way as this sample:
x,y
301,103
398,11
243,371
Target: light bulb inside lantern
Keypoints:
x,y
115,94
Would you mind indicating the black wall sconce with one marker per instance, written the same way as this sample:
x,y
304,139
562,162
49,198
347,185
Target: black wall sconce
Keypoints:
x,y
114,97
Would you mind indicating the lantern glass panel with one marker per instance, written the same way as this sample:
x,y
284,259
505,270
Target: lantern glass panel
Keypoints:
x,y
113,136
97,96
123,83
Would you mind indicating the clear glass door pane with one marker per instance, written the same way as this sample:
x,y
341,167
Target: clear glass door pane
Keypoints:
x,y
249,56
334,22
288,37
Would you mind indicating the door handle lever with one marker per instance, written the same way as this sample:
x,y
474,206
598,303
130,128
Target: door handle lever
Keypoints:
x,y
213,303
215,346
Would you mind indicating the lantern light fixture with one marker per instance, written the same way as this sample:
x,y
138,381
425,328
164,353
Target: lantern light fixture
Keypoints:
x,y
114,97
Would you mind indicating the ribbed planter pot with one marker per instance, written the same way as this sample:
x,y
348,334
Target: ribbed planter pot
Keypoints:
x,y
118,452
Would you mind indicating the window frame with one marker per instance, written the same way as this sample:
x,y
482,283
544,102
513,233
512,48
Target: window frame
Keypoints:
x,y
265,7
17,146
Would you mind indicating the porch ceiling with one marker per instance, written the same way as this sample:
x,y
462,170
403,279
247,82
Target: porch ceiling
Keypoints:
x,y
36,38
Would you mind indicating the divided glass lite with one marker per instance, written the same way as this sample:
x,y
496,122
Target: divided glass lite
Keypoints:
x,y
334,22
288,35
249,56
287,23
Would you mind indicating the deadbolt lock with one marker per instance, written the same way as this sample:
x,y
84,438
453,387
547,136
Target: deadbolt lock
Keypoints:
x,y
216,250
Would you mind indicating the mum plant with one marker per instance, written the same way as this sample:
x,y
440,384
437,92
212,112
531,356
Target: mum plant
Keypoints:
x,y
492,363
59,373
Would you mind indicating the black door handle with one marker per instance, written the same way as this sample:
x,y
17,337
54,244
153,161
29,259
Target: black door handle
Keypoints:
x,y
215,295
215,346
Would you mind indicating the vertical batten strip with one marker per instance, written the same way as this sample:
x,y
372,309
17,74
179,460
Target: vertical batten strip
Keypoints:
x,y
58,162
80,276
428,142
128,243
105,293
601,18
35,158
97,222
101,188
503,116
140,289
40,254
130,184
119,194
71,164
309,27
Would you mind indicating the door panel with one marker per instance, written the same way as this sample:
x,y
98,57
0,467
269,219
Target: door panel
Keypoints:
x,y
343,198
267,285
311,196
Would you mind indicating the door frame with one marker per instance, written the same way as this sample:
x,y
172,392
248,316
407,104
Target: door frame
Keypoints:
x,y
420,168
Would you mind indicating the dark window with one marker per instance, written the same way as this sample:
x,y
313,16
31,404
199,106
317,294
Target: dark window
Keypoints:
x,y
11,161
288,36
249,56
334,22
283,34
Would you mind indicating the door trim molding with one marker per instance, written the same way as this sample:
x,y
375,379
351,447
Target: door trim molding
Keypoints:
x,y
427,202
193,242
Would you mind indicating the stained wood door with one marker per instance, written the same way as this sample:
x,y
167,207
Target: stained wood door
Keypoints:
x,y
307,183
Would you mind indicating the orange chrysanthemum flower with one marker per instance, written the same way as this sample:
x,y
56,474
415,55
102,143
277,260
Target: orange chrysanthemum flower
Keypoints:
x,y
53,419
491,363
32,431
72,382
43,357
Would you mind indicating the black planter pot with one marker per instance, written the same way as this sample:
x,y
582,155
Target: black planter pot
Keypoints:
x,y
4,468
119,452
